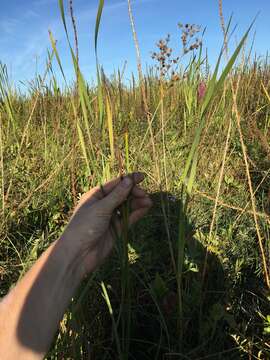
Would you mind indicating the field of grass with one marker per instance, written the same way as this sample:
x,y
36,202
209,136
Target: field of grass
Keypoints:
x,y
190,281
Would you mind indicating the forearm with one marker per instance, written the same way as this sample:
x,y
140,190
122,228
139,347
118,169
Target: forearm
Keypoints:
x,y
30,313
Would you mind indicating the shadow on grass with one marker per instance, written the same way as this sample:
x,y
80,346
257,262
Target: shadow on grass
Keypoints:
x,y
204,317
154,333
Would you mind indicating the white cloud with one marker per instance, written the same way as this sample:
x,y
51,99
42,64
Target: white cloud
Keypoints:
x,y
24,41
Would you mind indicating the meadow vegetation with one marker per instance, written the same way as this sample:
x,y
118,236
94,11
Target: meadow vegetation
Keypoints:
x,y
190,281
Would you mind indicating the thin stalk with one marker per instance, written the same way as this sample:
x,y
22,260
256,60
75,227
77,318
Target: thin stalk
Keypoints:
x,y
125,284
45,140
138,56
259,214
2,167
25,131
163,135
244,151
75,122
108,302
180,262
75,36
142,87
252,197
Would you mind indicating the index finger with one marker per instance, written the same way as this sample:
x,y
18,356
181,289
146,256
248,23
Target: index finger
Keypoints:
x,y
99,192
105,189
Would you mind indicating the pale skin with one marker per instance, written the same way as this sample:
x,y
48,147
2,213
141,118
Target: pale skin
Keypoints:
x,y
31,312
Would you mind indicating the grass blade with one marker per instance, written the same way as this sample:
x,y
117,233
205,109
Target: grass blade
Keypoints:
x,y
110,126
213,87
98,18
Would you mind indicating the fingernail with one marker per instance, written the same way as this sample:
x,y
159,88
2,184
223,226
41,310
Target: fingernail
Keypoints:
x,y
127,181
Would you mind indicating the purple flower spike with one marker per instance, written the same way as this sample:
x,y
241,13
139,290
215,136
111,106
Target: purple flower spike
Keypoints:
x,y
201,90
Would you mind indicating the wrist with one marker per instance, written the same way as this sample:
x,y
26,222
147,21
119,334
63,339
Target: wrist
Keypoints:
x,y
74,255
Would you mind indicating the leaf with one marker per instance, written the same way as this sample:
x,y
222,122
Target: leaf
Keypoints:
x,y
191,179
213,87
233,59
109,305
83,146
266,92
110,125
100,98
53,42
62,11
98,18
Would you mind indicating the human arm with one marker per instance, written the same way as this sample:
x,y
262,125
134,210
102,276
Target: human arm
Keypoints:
x,y
31,312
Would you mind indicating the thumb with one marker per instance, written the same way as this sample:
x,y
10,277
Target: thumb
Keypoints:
x,y
119,194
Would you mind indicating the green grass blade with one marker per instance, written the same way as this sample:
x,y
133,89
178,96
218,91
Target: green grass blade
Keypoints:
x,y
62,11
53,43
110,126
100,98
232,59
83,146
100,93
98,18
109,305
213,87
192,175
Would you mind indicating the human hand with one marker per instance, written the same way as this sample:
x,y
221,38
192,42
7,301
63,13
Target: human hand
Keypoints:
x,y
89,234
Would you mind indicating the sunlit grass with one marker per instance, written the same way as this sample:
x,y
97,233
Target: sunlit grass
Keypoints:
x,y
172,298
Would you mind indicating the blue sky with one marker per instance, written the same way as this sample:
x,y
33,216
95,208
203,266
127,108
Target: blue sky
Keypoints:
x,y
24,29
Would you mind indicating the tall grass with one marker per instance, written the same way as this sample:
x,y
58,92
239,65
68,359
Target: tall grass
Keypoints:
x,y
184,282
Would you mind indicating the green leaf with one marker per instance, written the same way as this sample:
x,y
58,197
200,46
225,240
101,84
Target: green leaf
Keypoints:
x,y
192,175
53,42
100,97
212,88
62,11
232,59
83,146
98,18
